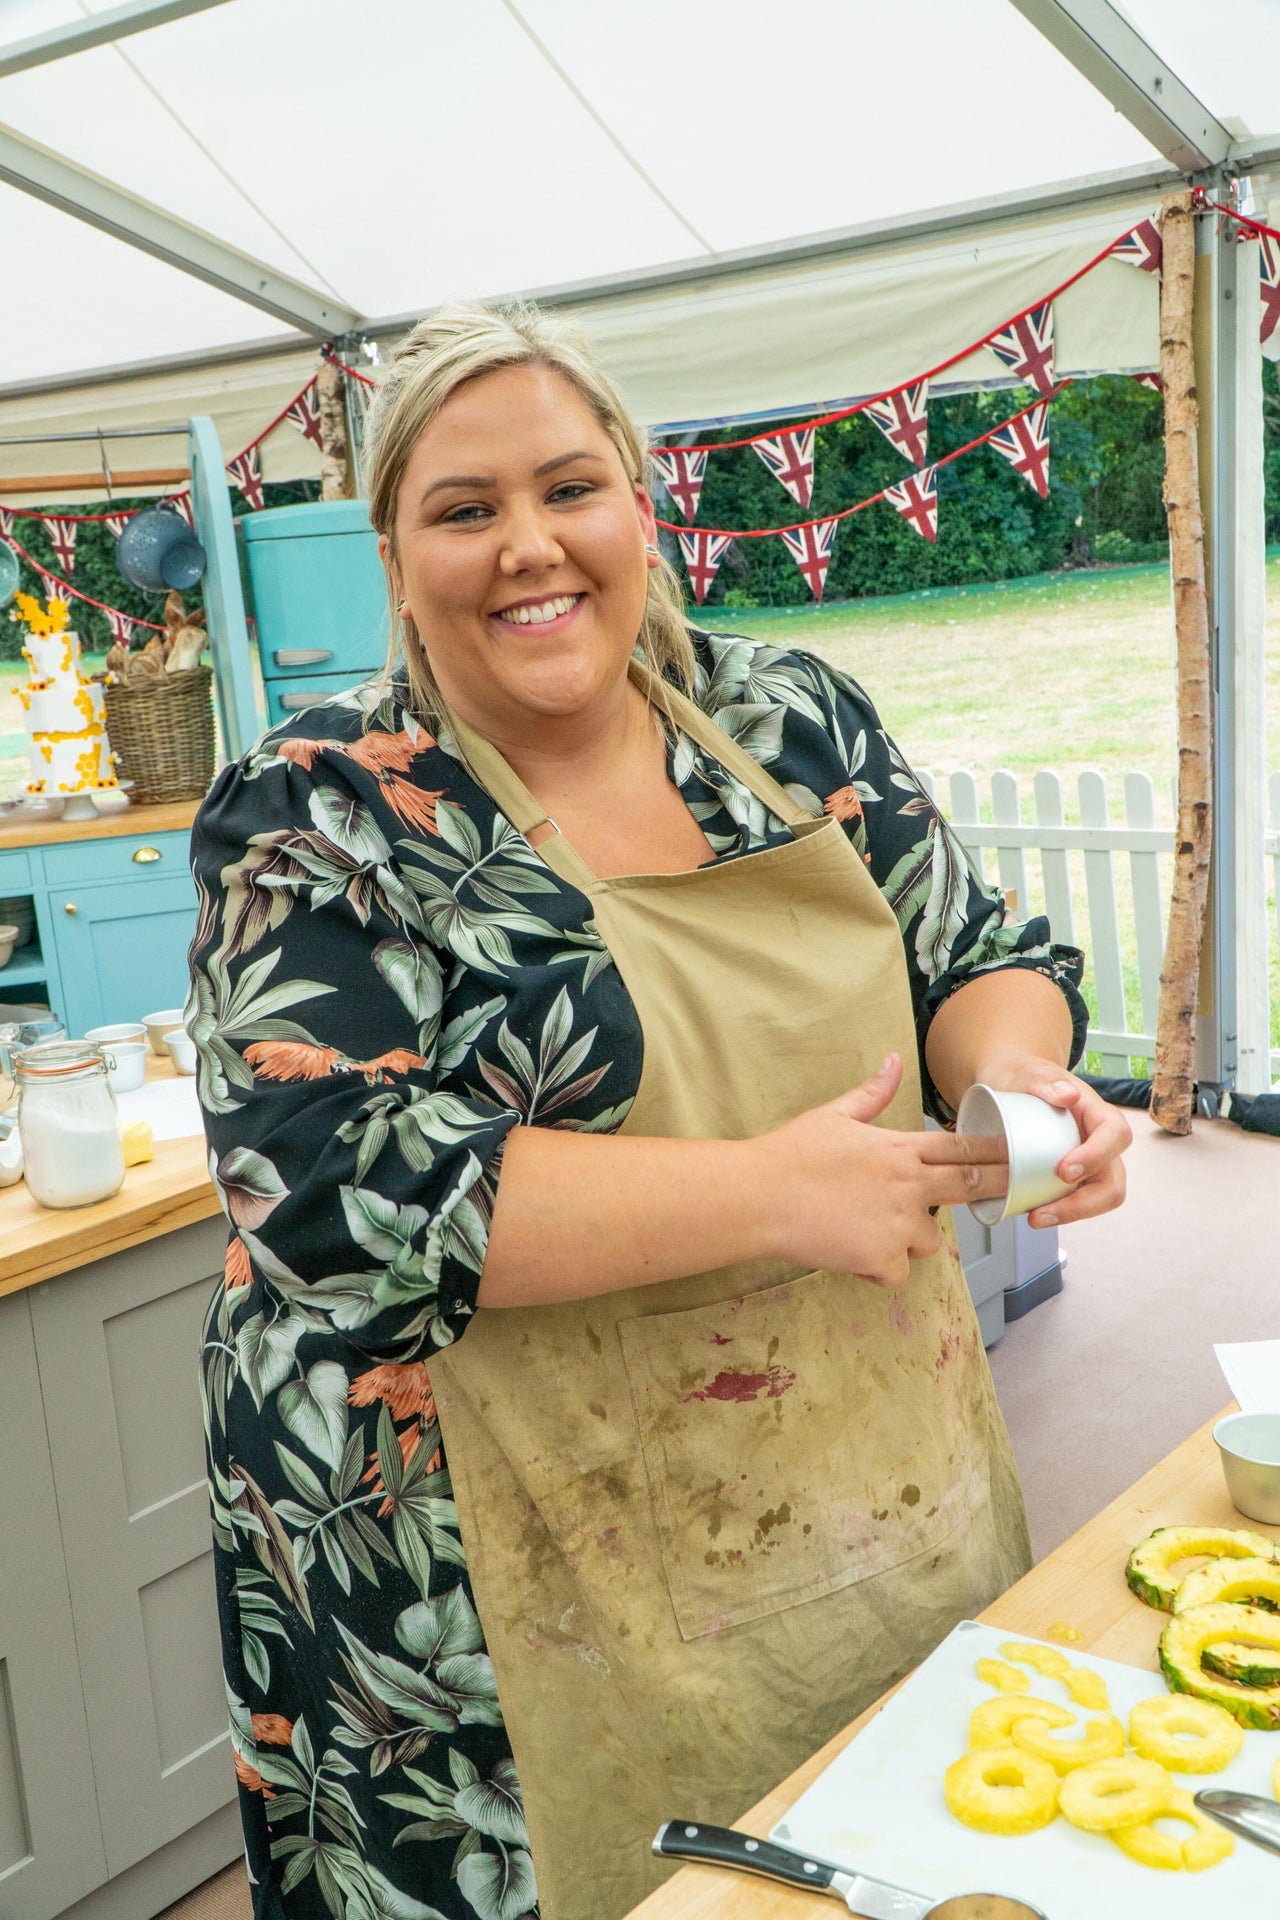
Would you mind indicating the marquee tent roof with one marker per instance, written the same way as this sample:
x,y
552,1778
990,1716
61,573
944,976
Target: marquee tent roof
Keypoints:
x,y
728,191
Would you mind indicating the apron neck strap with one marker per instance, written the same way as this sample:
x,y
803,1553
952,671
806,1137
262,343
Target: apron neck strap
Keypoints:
x,y
505,787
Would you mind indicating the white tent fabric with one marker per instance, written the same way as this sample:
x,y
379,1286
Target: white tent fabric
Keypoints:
x,y
420,150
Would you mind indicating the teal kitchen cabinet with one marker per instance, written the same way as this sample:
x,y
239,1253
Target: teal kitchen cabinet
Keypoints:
x,y
115,914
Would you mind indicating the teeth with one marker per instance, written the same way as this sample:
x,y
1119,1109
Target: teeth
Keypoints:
x,y
540,616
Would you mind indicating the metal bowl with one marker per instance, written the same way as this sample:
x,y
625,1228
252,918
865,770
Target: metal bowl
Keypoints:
x,y
157,550
1249,1444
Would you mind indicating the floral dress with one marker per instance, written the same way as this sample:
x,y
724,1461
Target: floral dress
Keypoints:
x,y
386,980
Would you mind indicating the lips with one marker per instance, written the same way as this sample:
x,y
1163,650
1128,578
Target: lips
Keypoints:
x,y
540,613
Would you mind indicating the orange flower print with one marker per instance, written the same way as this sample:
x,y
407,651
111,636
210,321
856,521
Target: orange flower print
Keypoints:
x,y
405,1389
250,1777
387,754
290,1060
304,753
843,804
237,1272
272,1729
398,1060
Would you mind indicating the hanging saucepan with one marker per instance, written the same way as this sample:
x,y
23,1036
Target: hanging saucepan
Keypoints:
x,y
10,573
158,550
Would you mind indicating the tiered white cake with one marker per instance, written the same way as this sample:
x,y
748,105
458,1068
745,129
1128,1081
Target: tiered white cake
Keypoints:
x,y
68,746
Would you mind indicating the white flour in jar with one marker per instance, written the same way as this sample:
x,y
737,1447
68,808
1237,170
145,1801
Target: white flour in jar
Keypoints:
x,y
71,1143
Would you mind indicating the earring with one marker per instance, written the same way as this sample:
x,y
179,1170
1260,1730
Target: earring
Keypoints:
x,y
400,607
652,550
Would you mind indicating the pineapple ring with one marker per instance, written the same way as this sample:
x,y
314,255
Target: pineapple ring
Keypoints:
x,y
1256,1583
991,1724
1186,1638
1002,1790
1087,1688
1045,1660
1111,1794
1149,1569
1004,1678
1203,1847
1183,1734
1103,1739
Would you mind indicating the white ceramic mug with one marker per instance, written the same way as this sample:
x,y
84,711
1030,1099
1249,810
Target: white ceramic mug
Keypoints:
x,y
1037,1136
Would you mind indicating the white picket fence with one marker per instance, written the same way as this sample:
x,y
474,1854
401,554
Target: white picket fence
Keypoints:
x,y
1124,911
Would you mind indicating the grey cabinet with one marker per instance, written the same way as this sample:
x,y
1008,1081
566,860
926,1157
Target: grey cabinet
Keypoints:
x,y
116,1721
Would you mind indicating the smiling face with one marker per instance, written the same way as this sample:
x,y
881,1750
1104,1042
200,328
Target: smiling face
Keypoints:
x,y
520,551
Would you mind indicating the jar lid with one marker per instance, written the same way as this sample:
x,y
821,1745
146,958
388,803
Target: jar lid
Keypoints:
x,y
59,1059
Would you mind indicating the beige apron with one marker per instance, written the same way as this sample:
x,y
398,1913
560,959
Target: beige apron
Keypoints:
x,y
708,1521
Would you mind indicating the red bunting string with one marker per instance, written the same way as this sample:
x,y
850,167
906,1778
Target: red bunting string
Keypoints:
x,y
765,533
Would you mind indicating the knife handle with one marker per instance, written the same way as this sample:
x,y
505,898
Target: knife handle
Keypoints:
x,y
721,1847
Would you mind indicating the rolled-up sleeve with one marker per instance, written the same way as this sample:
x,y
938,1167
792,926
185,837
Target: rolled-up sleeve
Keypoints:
x,y
356,1178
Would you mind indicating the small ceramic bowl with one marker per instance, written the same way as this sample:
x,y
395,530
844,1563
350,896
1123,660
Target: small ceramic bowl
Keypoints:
x,y
126,1064
1036,1135
1249,1444
158,1025
123,1032
8,941
182,1050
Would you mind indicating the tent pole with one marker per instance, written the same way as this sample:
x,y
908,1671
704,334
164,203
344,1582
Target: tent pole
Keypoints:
x,y
1233,1043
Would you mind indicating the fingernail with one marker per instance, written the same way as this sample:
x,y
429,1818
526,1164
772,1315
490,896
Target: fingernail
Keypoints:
x,y
1075,1173
885,1064
1062,1086
1047,1220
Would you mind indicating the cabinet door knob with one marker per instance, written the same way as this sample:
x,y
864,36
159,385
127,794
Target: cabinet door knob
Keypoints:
x,y
71,907
145,855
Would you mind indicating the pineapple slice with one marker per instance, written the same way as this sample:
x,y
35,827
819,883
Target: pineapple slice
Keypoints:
x,y
1185,1735
1149,1571
991,1724
1117,1793
1185,1640
1004,1678
1087,1688
1103,1739
1045,1660
1204,1846
1256,1583
1002,1790
1248,1665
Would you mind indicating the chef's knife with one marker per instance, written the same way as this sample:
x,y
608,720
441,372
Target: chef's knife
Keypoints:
x,y
1248,1814
871,1899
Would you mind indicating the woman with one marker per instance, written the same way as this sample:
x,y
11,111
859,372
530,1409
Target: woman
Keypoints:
x,y
560,1006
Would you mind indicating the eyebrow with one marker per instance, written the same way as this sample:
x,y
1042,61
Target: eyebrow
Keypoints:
x,y
484,481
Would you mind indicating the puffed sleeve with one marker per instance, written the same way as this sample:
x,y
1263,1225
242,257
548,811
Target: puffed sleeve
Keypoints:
x,y
357,1180
953,925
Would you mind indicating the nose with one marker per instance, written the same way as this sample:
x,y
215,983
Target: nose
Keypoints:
x,y
530,545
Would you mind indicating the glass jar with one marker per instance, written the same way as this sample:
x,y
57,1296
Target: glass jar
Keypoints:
x,y
68,1123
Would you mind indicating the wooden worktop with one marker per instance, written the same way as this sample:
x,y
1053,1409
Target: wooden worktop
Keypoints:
x,y
173,1190
1082,1585
26,828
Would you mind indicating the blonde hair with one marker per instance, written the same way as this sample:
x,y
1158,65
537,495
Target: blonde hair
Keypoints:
x,y
463,342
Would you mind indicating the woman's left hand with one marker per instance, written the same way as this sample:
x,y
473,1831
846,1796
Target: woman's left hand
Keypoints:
x,y
1095,1168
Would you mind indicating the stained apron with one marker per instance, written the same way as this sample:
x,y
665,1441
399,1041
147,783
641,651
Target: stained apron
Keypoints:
x,y
708,1521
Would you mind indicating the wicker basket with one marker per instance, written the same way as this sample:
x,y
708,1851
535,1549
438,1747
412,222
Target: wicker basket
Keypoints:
x,y
162,735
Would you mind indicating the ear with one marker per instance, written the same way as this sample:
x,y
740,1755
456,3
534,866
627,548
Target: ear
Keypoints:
x,y
648,520
389,565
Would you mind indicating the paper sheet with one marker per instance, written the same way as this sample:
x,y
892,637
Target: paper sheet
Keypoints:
x,y
1252,1368
170,1106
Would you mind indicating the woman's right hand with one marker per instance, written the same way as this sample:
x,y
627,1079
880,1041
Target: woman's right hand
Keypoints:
x,y
856,1198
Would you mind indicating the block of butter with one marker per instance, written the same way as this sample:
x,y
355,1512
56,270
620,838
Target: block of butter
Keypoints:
x,y
137,1142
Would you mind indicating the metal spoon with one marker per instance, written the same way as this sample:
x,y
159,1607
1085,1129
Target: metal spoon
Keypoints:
x,y
1247,1814
871,1899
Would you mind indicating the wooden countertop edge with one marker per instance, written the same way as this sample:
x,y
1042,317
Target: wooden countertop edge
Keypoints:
x,y
40,831
175,1192
1063,1578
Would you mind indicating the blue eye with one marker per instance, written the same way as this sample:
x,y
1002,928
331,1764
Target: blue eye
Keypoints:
x,y
572,490
459,516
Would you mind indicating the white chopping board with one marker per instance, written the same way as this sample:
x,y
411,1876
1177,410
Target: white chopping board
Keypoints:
x,y
879,1806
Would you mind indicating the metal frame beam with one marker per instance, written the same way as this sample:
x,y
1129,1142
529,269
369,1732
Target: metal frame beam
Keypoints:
x,y
1115,59
77,36
60,183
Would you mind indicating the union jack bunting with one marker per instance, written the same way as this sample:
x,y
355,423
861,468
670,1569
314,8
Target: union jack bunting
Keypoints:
x,y
304,414
1269,262
1151,380
1024,442
1140,247
6,522
1026,346
703,553
181,503
62,538
53,588
120,624
903,419
246,473
683,470
810,548
789,458
916,499
116,523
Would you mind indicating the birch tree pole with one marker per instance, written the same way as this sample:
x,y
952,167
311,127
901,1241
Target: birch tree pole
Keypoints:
x,y
1173,1088
336,479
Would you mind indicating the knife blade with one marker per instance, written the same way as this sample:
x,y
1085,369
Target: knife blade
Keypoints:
x,y
1248,1814
722,1847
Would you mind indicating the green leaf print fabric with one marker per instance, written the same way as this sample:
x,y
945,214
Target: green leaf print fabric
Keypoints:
x,y
385,980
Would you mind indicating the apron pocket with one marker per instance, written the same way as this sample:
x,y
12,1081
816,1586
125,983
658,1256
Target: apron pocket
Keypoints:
x,y
796,1440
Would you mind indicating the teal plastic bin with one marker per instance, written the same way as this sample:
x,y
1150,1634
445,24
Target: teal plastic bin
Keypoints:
x,y
319,593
